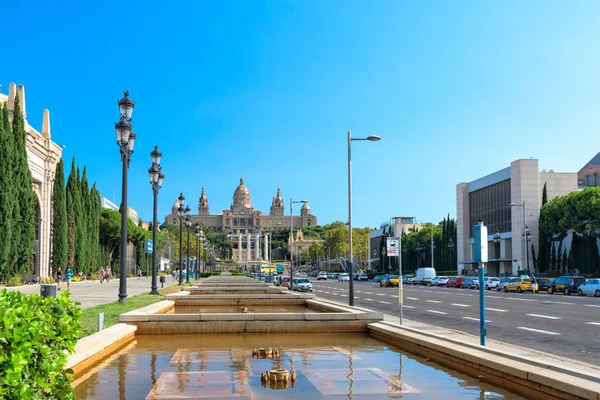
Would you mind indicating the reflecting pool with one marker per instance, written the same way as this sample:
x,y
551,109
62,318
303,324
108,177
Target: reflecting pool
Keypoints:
x,y
222,366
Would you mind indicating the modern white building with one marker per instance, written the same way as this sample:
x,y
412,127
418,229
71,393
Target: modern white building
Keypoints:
x,y
509,202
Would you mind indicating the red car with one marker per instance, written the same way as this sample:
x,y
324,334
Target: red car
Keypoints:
x,y
455,281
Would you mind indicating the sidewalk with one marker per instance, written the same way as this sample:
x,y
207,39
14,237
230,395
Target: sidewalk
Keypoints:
x,y
94,293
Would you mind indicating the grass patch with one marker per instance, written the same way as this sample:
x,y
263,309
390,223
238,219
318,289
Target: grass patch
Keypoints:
x,y
89,318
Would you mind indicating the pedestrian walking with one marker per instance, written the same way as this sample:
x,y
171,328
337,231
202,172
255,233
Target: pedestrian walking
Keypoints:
x,y
534,287
101,273
139,273
59,276
69,276
108,272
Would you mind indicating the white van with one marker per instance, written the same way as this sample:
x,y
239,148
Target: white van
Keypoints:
x,y
424,276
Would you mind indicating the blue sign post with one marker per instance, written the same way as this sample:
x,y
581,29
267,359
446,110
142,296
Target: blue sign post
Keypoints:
x,y
480,255
149,246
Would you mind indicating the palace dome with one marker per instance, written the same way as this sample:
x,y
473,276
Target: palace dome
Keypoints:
x,y
241,196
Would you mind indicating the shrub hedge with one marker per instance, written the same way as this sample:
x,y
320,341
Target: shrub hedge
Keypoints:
x,y
36,336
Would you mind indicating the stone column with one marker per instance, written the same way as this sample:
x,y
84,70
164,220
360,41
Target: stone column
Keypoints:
x,y
249,246
266,247
257,247
240,248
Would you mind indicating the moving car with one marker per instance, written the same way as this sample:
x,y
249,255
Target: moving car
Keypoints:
x,y
408,279
331,275
424,276
363,277
302,285
491,283
322,275
390,280
518,285
439,281
343,277
591,287
566,284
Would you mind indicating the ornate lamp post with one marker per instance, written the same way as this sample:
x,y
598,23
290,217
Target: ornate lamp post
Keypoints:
x,y
527,237
451,248
373,138
188,223
126,141
418,249
182,212
156,180
197,231
497,239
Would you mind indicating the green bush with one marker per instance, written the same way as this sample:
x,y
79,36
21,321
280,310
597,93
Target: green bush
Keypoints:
x,y
36,335
14,280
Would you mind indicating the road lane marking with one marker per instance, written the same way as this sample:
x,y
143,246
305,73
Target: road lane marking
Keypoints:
x,y
369,299
516,298
437,312
556,302
475,319
368,292
591,305
394,295
327,292
537,330
433,301
385,302
593,323
344,295
403,306
543,316
412,298
496,309
356,297
460,305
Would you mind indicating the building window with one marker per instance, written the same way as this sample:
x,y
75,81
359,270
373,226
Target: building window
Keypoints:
x,y
492,204
596,179
589,180
580,183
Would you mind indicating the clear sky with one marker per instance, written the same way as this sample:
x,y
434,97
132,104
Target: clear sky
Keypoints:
x,y
267,90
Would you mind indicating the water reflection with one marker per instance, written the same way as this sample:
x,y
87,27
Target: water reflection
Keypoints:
x,y
353,366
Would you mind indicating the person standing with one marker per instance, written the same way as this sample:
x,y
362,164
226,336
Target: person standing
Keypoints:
x,y
108,272
533,284
69,273
59,276
101,273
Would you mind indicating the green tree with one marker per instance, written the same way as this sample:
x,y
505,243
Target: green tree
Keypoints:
x,y
59,219
7,200
24,214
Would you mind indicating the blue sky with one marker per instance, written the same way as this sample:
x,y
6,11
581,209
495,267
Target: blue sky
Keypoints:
x,y
267,90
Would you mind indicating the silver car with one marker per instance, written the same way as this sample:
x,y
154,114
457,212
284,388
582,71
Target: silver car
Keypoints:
x,y
500,285
302,285
439,281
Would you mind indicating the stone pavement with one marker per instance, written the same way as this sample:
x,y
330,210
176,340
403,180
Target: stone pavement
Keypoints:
x,y
93,293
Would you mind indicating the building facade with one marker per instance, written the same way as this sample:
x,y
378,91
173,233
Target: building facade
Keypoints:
x,y
509,202
42,156
589,175
247,227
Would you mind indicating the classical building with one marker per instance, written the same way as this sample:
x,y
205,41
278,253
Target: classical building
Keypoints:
x,y
247,226
42,156
509,202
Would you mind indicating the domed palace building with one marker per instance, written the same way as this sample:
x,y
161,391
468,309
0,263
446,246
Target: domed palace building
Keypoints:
x,y
247,227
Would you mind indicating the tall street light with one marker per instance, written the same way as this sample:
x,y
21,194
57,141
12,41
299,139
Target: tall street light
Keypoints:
x,y
125,140
198,232
156,180
292,241
497,239
188,223
373,138
527,238
418,249
182,212
451,247
524,224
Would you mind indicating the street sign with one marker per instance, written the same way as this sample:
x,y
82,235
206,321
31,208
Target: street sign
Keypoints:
x,y
393,249
149,246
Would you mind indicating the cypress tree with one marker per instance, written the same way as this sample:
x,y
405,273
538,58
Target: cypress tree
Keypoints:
x,y
59,219
544,248
84,221
24,213
71,216
7,203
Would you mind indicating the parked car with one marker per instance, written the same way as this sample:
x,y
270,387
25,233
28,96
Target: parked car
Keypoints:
x,y
543,284
566,284
302,285
518,285
322,275
343,277
591,287
408,279
504,281
390,280
331,275
466,283
455,281
439,281
424,276
363,277
491,283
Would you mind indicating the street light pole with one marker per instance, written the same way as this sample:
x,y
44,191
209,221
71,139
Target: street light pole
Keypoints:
x,y
527,237
418,248
373,138
197,232
156,180
292,241
188,222
497,239
182,213
524,229
126,141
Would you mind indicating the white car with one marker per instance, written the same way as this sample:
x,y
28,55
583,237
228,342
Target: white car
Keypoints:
x,y
491,283
322,275
343,277
591,287
302,285
439,281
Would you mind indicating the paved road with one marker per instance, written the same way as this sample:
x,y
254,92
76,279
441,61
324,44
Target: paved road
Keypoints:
x,y
93,293
568,326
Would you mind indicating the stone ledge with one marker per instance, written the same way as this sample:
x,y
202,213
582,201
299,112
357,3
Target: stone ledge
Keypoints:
x,y
99,342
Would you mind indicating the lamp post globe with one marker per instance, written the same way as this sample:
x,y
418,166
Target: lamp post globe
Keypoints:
x,y
156,180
